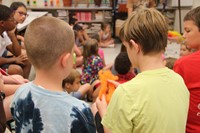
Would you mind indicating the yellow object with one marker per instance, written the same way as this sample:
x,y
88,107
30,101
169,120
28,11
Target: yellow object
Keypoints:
x,y
74,58
174,35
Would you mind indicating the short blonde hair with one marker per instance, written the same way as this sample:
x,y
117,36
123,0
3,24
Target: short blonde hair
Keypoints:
x,y
148,28
46,39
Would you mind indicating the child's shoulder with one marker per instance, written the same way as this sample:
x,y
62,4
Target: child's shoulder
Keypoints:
x,y
95,58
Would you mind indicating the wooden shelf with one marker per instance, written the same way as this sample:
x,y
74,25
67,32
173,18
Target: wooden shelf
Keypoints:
x,y
79,8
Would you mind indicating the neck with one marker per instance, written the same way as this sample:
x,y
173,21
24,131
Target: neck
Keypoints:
x,y
151,62
50,81
68,90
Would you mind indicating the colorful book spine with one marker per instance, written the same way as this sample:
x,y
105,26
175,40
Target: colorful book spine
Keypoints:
x,y
51,2
45,3
34,2
28,2
57,2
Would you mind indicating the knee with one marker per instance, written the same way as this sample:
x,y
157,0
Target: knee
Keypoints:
x,y
15,69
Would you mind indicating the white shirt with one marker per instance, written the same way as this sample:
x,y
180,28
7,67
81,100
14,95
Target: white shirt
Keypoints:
x,y
4,42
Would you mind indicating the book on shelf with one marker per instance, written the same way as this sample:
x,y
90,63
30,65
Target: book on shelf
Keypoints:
x,y
84,16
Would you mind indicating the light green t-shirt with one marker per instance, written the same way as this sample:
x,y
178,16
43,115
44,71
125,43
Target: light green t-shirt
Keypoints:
x,y
155,101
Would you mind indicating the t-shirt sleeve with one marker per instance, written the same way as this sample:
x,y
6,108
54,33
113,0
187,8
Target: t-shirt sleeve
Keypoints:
x,y
7,39
101,53
177,68
117,115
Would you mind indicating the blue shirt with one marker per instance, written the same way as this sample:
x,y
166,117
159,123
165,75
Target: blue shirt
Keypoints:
x,y
36,110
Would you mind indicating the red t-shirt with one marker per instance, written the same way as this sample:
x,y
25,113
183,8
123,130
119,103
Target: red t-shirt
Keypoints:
x,y
125,77
189,68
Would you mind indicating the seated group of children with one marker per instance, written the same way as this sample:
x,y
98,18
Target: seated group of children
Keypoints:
x,y
42,105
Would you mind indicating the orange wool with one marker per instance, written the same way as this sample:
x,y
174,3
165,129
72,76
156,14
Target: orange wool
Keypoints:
x,y
106,88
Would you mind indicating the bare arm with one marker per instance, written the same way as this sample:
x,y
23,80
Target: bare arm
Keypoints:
x,y
15,48
14,79
17,60
21,38
77,51
5,113
100,36
7,60
102,107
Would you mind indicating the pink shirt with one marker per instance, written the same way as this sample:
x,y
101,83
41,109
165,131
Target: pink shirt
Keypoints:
x,y
101,53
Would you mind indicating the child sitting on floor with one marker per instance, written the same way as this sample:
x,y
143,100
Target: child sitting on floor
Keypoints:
x,y
105,36
72,85
123,67
92,62
100,51
81,35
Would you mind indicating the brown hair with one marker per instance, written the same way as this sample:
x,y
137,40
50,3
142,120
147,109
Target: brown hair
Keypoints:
x,y
148,28
104,25
46,39
90,48
170,62
121,36
194,15
71,77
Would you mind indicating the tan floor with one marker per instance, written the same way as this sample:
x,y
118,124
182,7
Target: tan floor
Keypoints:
x,y
111,53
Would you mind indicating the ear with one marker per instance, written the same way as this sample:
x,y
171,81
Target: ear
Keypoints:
x,y
1,23
135,46
67,85
65,59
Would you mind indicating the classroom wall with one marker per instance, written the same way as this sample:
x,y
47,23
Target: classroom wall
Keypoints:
x,y
196,3
184,11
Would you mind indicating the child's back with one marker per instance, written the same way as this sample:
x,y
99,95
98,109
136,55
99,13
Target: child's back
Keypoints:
x,y
105,36
156,100
41,105
37,109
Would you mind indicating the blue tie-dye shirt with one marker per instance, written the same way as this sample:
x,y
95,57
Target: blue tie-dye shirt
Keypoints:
x,y
37,110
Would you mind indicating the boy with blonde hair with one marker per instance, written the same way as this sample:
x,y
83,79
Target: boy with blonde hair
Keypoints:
x,y
156,100
42,105
72,84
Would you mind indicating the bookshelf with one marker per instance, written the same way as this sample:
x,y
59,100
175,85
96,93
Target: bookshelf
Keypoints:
x,y
92,16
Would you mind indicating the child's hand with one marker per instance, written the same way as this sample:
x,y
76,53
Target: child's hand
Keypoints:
x,y
101,105
20,59
115,83
11,33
